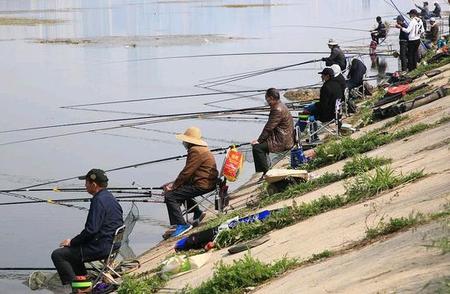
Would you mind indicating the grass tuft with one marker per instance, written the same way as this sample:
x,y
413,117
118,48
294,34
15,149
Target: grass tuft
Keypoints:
x,y
243,273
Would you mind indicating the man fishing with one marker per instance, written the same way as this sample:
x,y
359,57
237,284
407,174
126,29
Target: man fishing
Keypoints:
x,y
199,176
95,241
414,30
403,43
277,135
379,32
325,109
337,56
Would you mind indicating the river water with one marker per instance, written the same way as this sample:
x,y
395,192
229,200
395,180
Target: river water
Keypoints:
x,y
38,77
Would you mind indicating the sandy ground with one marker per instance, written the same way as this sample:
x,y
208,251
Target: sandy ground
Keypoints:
x,y
399,263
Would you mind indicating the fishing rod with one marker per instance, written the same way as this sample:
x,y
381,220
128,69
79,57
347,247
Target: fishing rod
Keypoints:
x,y
324,27
161,98
250,75
218,55
17,195
242,110
236,77
178,157
169,119
87,199
82,189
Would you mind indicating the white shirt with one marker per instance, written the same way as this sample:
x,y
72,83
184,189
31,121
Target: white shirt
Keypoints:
x,y
415,29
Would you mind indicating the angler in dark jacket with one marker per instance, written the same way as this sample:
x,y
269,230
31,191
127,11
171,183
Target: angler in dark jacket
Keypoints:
x,y
356,74
403,43
95,241
337,56
325,109
379,32
278,133
340,79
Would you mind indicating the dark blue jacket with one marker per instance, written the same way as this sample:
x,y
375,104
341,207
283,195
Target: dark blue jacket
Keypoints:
x,y
105,216
357,72
403,36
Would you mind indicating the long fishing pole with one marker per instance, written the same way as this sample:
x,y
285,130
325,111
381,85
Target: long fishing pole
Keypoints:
x,y
161,98
82,189
178,157
168,119
324,27
17,195
246,76
242,110
219,55
87,199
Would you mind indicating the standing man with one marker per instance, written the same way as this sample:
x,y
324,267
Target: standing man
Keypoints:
x,y
415,30
199,176
277,135
337,56
403,43
95,241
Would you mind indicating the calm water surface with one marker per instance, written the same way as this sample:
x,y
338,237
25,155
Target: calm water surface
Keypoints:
x,y
39,78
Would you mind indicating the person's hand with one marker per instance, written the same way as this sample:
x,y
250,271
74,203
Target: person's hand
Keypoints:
x,y
168,187
254,142
65,243
324,59
398,26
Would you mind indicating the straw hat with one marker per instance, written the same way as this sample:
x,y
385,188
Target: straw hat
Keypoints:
x,y
332,42
192,135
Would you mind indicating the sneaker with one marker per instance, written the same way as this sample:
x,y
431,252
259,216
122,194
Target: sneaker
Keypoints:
x,y
196,221
181,229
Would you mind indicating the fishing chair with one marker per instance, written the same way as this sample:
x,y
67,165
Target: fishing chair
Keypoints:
x,y
308,127
219,202
106,268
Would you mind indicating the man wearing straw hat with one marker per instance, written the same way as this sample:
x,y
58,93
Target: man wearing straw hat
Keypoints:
x,y
199,176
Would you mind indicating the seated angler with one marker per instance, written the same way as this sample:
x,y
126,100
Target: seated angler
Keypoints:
x,y
356,74
277,135
325,109
379,32
337,56
199,176
95,241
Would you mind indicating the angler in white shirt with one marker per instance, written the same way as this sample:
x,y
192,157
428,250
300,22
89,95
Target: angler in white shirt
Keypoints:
x,y
414,30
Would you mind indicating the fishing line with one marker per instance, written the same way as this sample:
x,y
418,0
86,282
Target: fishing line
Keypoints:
x,y
243,110
58,201
323,27
161,98
178,157
217,55
17,195
246,76
175,133
170,119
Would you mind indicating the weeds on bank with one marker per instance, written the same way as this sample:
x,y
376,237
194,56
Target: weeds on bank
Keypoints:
x,y
423,68
346,147
249,272
132,285
243,273
358,164
356,190
394,225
